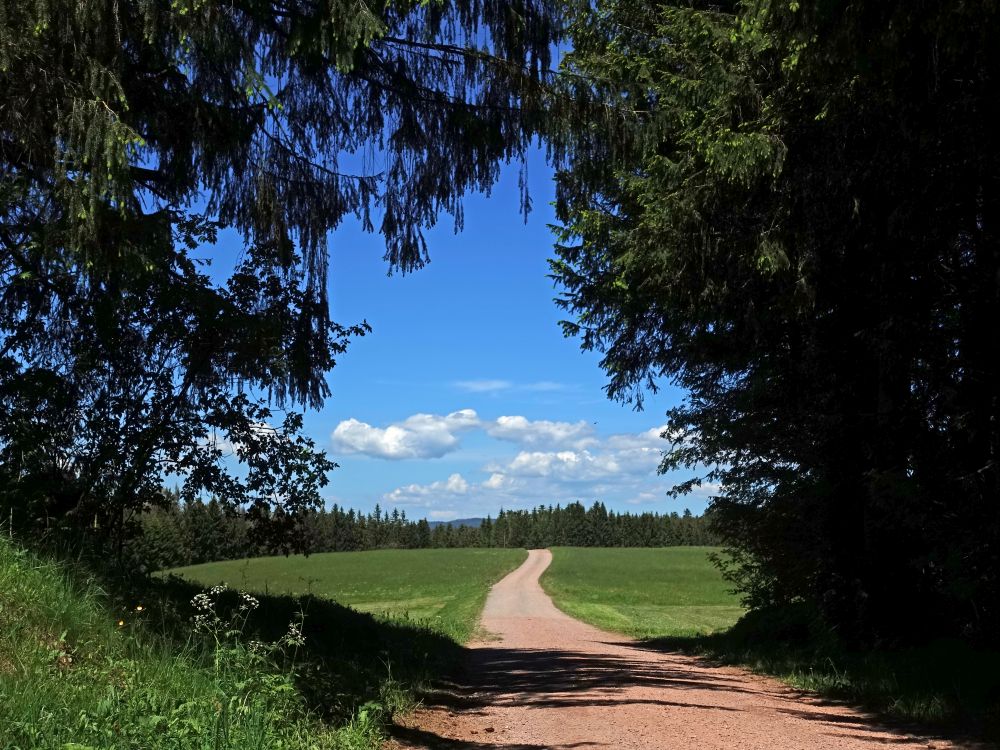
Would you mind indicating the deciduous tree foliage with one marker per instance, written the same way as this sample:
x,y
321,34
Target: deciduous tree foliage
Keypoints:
x,y
131,133
796,219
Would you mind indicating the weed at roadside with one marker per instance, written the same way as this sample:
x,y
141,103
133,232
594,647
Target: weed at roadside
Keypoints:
x,y
79,672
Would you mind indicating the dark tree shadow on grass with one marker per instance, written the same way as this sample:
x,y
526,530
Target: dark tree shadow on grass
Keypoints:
x,y
946,689
348,659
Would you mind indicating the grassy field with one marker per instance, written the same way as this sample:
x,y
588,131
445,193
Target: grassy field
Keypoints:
x,y
164,664
645,593
443,589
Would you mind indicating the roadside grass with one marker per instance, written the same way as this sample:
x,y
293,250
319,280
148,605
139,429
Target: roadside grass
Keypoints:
x,y
675,600
946,683
79,672
644,593
439,589
84,666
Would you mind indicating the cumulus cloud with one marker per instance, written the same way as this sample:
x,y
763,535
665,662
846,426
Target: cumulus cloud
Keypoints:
x,y
651,438
563,465
496,491
617,456
418,436
517,429
645,497
420,493
497,481
639,451
551,461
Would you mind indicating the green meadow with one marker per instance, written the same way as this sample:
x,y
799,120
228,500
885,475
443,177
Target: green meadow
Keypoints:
x,y
84,665
443,589
644,593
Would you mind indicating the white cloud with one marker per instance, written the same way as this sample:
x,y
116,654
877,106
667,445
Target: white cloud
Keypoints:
x,y
650,438
563,465
420,493
496,481
418,436
456,485
425,494
496,491
542,432
617,456
706,490
496,385
638,452
483,386
553,462
647,496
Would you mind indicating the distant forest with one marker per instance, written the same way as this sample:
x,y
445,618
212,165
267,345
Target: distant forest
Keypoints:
x,y
197,532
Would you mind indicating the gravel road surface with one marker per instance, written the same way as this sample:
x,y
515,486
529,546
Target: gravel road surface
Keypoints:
x,y
541,679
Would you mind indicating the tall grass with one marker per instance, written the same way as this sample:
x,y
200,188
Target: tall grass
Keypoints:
x,y
79,669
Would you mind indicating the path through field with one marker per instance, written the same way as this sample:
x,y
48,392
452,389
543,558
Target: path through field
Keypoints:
x,y
549,681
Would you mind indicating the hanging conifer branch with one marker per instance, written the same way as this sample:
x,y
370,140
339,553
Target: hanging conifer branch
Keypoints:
x,y
131,133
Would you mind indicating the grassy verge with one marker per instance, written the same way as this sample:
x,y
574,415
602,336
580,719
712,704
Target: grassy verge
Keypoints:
x,y
440,589
674,599
81,668
644,593
946,683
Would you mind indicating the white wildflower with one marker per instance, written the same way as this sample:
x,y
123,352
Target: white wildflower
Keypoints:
x,y
294,635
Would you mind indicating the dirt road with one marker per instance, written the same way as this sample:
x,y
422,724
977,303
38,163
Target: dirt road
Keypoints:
x,y
549,681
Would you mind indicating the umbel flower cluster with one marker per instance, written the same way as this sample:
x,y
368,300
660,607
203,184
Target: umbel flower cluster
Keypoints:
x,y
209,619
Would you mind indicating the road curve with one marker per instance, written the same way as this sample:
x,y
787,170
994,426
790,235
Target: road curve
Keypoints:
x,y
544,680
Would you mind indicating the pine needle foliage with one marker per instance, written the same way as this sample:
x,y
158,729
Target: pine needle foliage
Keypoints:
x,y
131,133
794,218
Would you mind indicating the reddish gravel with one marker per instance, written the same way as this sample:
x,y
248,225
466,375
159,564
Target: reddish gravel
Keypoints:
x,y
549,681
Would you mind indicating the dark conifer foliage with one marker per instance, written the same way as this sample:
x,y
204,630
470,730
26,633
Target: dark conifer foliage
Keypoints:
x,y
173,534
131,133
796,219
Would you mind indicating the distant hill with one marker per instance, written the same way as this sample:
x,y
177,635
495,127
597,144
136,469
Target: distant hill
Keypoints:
x,y
473,522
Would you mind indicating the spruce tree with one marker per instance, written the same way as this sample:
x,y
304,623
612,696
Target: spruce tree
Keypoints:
x,y
795,218
131,133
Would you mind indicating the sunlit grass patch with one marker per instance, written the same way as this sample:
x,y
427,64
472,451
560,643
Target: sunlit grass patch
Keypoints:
x,y
443,589
644,593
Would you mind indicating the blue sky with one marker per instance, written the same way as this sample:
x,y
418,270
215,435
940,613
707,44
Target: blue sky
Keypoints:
x,y
466,397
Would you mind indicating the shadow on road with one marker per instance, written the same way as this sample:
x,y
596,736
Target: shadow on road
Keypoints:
x,y
546,678
552,678
407,737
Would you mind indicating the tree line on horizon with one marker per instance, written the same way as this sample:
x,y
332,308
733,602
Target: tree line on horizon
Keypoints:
x,y
188,533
